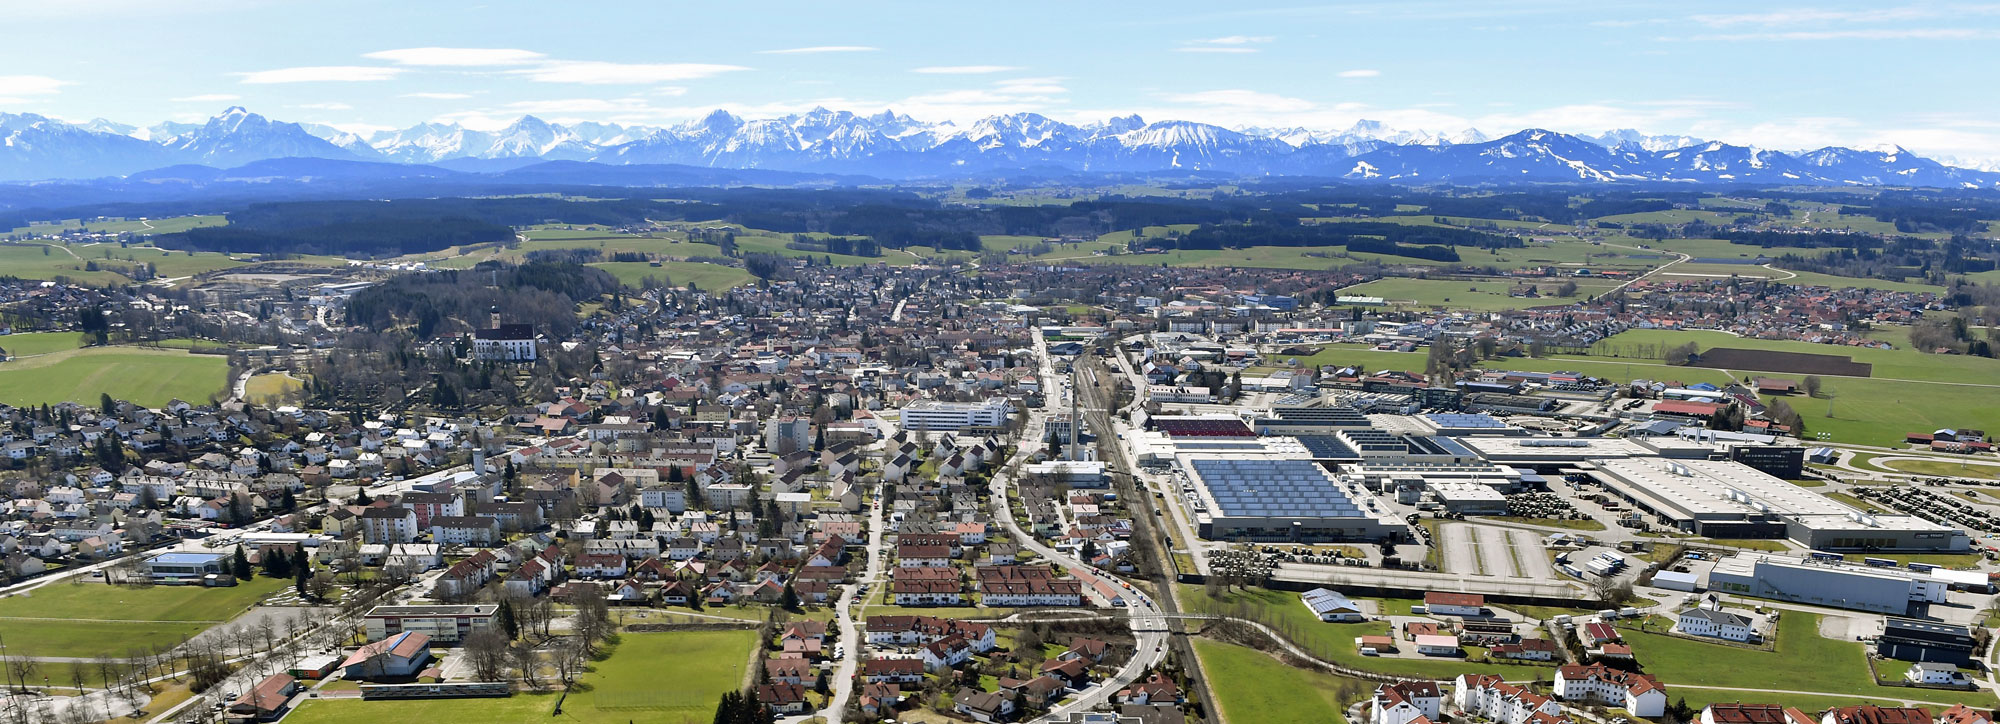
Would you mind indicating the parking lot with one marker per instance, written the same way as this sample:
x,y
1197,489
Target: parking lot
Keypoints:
x,y
1474,549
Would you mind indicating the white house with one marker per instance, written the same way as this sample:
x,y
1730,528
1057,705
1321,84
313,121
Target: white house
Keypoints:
x,y
1715,624
1640,694
1404,702
1442,603
1490,697
1930,672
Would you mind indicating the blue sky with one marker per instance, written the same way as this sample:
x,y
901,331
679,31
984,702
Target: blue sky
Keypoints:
x,y
1776,75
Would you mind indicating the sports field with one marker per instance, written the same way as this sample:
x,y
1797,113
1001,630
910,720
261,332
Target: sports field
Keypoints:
x,y
150,377
660,677
95,619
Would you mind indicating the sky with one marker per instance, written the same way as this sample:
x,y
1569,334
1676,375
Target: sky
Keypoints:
x,y
1776,75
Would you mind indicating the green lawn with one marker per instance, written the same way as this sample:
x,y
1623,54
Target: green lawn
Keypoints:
x,y
1482,296
133,226
1804,661
1251,687
712,277
144,376
1942,467
1585,524
271,388
1907,390
29,343
658,677
117,619
1335,641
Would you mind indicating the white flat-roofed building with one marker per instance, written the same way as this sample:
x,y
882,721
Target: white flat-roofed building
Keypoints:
x,y
1826,583
1724,499
1469,498
441,623
933,415
1551,450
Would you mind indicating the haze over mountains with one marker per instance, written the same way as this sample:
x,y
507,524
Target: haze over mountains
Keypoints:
x,y
894,146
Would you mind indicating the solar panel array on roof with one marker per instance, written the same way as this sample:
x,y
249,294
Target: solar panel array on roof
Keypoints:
x,y
1375,441
1465,421
1274,488
1327,447
1429,445
1326,415
1203,427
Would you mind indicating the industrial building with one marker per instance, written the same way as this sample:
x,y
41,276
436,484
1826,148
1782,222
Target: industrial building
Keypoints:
x,y
1301,420
1723,499
1551,451
1907,640
1261,497
1468,498
1466,424
1892,591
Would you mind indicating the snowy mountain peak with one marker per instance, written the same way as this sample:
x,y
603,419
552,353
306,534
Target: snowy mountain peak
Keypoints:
x,y
891,145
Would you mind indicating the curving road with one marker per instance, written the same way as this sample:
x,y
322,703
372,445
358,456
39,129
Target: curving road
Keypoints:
x,y
1144,616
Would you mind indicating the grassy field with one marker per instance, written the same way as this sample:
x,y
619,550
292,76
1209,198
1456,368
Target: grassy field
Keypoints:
x,y
662,677
1250,686
1908,391
54,260
32,343
1335,641
1942,468
92,619
1482,296
145,376
271,388
1804,661
134,226
703,275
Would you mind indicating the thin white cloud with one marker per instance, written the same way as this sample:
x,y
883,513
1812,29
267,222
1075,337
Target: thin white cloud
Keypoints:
x,y
811,50
1867,34
207,98
1359,73
437,96
1025,86
1238,44
320,74
457,57
30,85
591,72
1242,99
325,106
1793,17
963,69
1238,40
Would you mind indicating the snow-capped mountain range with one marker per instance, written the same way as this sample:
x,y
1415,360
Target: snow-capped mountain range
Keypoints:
x,y
894,146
